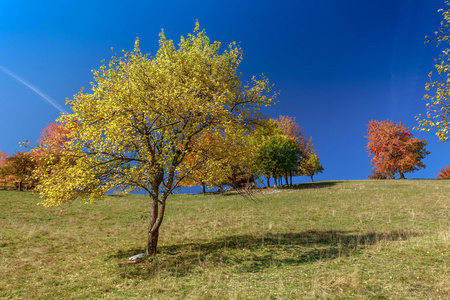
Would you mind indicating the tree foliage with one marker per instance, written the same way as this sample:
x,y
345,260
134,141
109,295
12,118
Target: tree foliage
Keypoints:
x,y
51,145
275,153
3,156
290,128
143,118
437,98
444,173
214,159
17,169
395,149
309,165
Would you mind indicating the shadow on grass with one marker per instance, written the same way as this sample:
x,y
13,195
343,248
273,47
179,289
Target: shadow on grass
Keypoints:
x,y
249,253
253,194
312,185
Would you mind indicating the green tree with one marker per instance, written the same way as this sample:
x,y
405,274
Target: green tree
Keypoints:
x,y
289,127
141,119
276,156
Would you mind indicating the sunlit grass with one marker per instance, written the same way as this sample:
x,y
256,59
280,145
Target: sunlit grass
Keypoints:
x,y
326,240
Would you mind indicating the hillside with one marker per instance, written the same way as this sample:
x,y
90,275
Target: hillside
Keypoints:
x,y
333,239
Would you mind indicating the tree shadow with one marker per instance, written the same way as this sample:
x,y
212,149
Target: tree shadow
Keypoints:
x,y
312,185
250,253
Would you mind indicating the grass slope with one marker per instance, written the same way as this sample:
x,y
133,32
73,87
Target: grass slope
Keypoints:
x,y
326,240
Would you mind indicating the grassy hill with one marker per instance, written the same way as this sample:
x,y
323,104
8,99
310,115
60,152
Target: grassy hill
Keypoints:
x,y
326,240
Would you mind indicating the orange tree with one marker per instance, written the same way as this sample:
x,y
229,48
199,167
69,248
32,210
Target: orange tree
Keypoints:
x,y
213,160
395,149
444,173
17,169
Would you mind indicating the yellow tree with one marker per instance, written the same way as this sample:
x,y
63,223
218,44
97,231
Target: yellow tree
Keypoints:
x,y
142,118
438,97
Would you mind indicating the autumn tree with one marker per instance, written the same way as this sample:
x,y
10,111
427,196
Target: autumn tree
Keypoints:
x,y
290,128
53,138
17,169
437,98
51,145
275,156
395,149
3,156
309,165
213,160
142,118
444,173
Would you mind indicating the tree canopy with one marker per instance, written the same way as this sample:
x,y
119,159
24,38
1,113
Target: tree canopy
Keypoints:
x,y
17,169
143,116
437,98
395,149
309,165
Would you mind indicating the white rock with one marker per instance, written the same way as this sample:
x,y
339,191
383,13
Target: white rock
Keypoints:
x,y
138,256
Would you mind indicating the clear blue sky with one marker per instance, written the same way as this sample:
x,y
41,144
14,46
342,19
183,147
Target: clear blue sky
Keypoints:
x,y
337,63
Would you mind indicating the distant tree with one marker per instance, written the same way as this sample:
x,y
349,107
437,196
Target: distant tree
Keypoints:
x,y
444,173
144,115
54,137
395,149
17,169
309,165
52,144
3,156
290,128
213,160
438,101
276,156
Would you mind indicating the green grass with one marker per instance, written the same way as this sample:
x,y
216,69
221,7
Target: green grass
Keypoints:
x,y
325,240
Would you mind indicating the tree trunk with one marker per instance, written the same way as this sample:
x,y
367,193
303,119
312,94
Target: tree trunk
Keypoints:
x,y
402,176
286,177
20,185
203,188
275,182
152,243
291,177
312,179
156,215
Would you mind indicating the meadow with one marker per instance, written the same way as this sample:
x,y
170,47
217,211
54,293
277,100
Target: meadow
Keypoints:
x,y
325,240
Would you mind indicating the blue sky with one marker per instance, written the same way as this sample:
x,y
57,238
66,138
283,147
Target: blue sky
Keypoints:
x,y
337,64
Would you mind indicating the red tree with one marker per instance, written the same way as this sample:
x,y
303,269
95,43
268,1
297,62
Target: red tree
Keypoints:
x,y
52,139
444,173
395,149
